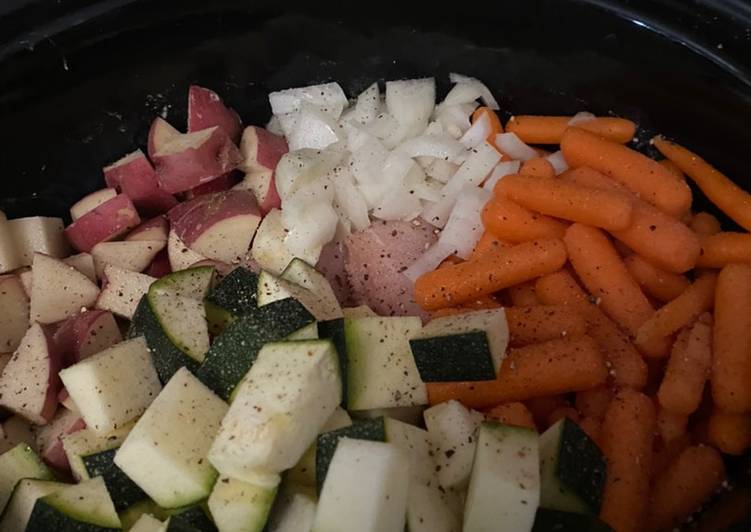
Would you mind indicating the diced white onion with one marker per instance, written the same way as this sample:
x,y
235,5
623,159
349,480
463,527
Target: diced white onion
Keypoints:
x,y
442,170
472,172
368,105
274,126
500,171
313,129
580,117
462,93
454,119
485,95
349,199
428,261
477,133
309,227
558,162
329,97
512,146
464,227
411,101
438,146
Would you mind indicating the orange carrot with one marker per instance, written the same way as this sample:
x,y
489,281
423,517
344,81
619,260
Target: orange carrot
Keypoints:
x,y
642,175
682,311
603,273
592,426
594,402
540,323
730,432
626,438
731,339
541,407
726,195
721,249
665,453
537,167
496,128
550,129
557,366
561,412
662,239
562,199
673,168
626,366
510,222
688,368
671,425
685,486
657,283
495,271
704,224
487,243
729,510
523,295
512,414
481,303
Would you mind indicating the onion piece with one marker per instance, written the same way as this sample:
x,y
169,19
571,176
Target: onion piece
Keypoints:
x,y
442,170
368,105
558,162
298,168
274,126
428,261
464,227
411,102
462,93
313,129
454,119
329,97
348,198
309,225
473,172
512,146
485,95
477,133
500,171
438,146
580,117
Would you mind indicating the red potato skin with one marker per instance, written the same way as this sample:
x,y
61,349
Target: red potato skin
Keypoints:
x,y
206,109
194,217
135,177
154,229
160,133
55,358
74,332
160,265
219,184
54,455
262,150
191,167
264,181
108,221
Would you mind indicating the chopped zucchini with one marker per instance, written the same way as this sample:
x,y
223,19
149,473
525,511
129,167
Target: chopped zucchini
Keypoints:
x,y
381,371
238,506
122,489
294,509
463,347
18,511
193,283
20,462
233,297
272,288
303,274
572,468
76,508
548,520
236,349
280,406
165,453
194,518
309,332
362,311
85,442
148,523
504,488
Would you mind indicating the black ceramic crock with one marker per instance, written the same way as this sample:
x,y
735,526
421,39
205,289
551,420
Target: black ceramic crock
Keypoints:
x,y
81,80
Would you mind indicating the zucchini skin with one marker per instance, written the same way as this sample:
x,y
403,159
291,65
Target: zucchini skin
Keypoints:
x,y
455,357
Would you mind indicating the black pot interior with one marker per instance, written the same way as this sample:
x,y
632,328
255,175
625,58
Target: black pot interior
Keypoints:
x,y
81,80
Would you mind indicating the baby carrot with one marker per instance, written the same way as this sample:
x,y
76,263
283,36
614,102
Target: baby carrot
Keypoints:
x,y
673,168
721,249
510,222
512,414
642,175
671,425
559,198
660,238
657,283
594,402
685,486
730,432
729,197
557,366
541,407
487,242
704,224
469,280
592,426
682,311
603,273
537,167
625,364
731,343
540,323
550,129
688,368
496,128
481,303
561,412
523,295
626,437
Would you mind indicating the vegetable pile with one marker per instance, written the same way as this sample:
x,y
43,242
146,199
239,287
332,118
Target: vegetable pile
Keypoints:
x,y
377,315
